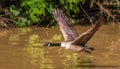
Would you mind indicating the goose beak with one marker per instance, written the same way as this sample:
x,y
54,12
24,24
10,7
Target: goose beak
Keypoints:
x,y
45,44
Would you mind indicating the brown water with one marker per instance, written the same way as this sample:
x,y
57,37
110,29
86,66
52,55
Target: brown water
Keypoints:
x,y
21,48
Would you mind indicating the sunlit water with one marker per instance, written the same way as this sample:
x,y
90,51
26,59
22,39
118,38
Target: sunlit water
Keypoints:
x,y
21,48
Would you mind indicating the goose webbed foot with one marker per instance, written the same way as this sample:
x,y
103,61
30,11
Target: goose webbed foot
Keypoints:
x,y
89,50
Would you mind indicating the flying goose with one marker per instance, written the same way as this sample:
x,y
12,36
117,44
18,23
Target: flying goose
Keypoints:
x,y
72,40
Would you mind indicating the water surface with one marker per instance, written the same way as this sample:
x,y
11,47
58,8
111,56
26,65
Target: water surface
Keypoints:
x,y
21,48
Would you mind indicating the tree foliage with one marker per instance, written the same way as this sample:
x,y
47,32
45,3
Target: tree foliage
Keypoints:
x,y
31,12
39,12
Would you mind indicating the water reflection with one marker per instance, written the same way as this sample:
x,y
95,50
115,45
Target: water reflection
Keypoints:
x,y
113,48
24,48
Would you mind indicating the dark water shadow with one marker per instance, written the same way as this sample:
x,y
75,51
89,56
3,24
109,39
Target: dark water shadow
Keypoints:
x,y
101,66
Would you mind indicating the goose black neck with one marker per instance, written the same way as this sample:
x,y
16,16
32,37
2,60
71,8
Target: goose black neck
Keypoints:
x,y
55,44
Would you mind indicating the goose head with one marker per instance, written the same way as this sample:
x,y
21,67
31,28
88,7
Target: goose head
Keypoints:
x,y
47,44
51,44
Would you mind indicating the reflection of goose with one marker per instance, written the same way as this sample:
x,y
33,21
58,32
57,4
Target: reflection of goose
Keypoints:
x,y
72,40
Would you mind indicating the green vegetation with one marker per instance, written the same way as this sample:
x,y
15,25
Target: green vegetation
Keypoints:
x,y
39,12
30,12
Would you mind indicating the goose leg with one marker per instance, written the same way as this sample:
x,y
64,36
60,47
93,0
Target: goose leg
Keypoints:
x,y
88,49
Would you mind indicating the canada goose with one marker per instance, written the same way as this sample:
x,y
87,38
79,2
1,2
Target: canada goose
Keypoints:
x,y
72,40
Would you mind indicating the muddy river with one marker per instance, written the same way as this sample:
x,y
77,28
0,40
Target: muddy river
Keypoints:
x,y
21,48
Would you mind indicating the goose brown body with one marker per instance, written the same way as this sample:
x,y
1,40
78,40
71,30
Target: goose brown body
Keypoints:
x,y
72,47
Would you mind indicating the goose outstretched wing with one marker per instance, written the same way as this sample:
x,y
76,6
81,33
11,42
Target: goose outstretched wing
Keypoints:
x,y
86,36
65,25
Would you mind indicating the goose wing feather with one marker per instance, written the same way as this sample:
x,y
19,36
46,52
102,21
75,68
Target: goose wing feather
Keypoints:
x,y
86,36
65,25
